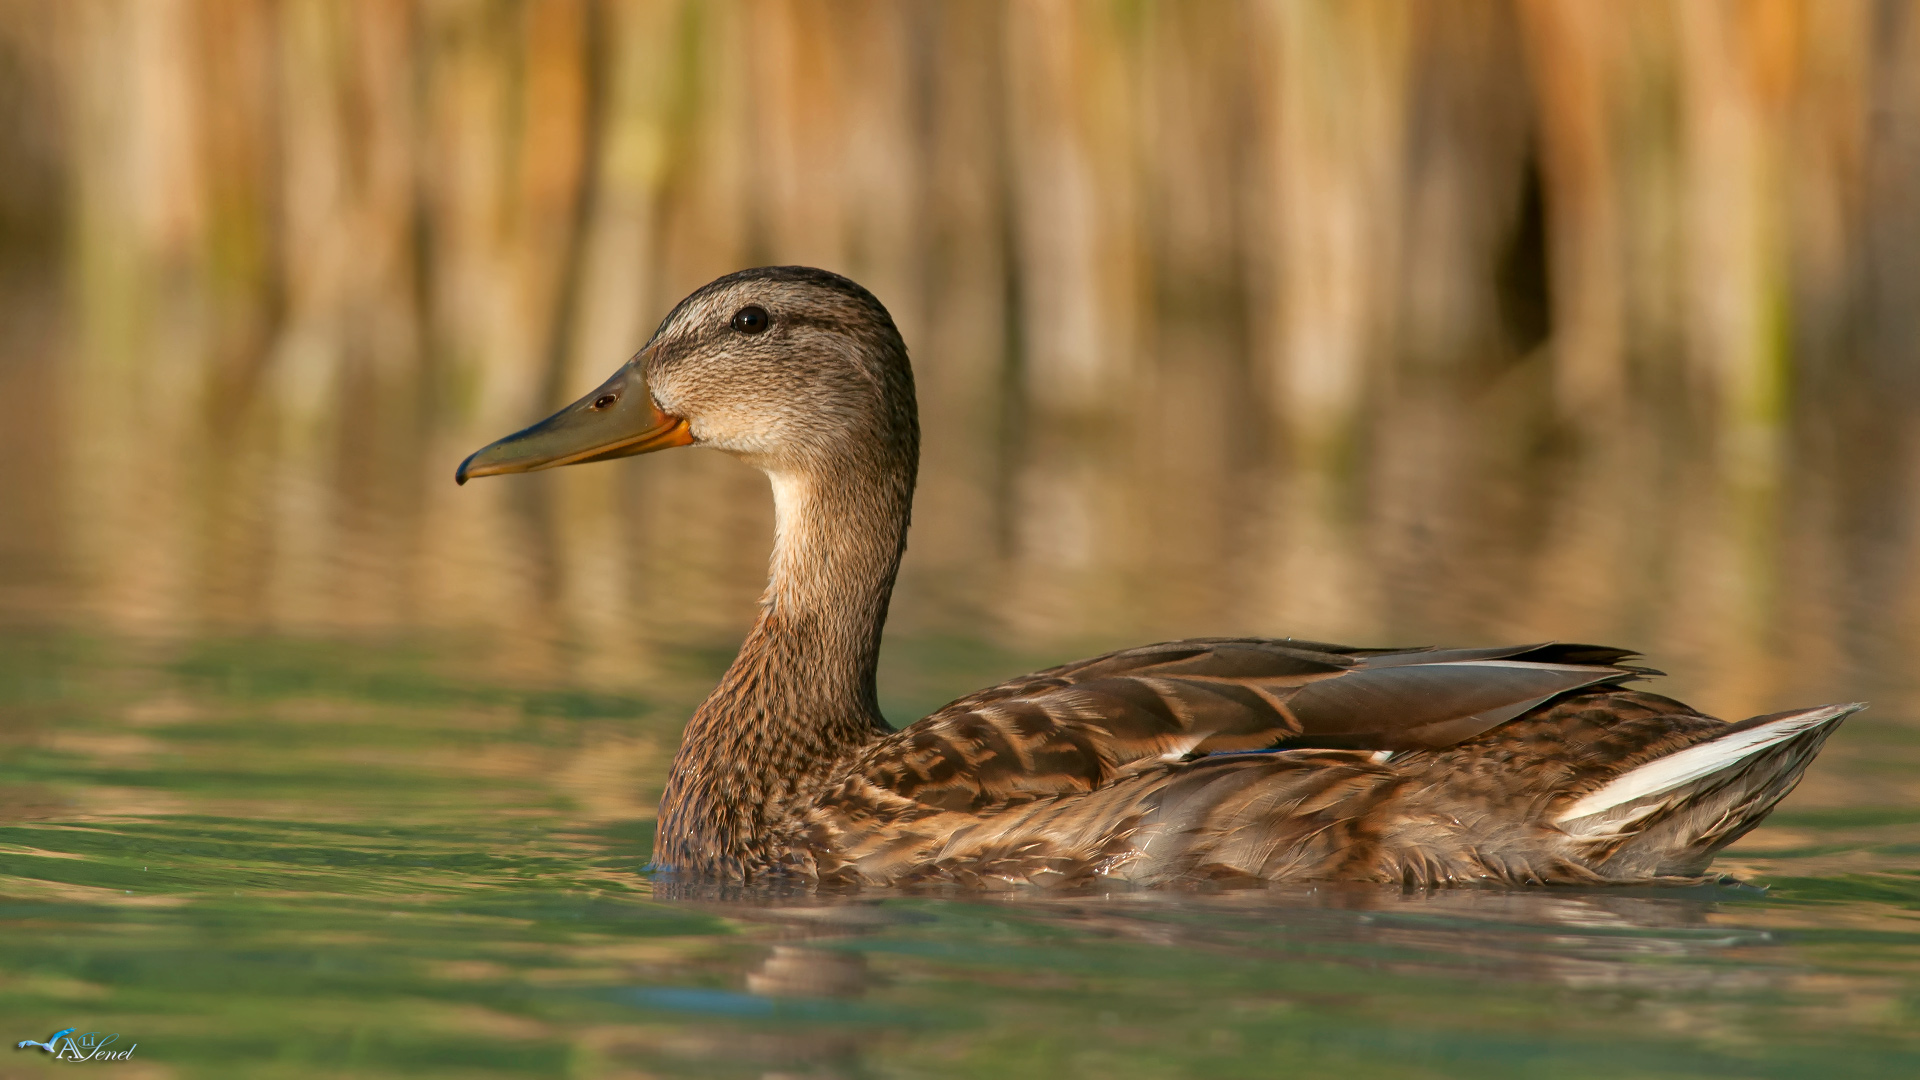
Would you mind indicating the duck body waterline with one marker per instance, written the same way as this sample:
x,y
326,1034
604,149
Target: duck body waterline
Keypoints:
x,y
1223,760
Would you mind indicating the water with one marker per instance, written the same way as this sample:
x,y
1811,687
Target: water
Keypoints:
x,y
276,857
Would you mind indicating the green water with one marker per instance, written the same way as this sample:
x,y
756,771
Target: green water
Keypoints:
x,y
271,858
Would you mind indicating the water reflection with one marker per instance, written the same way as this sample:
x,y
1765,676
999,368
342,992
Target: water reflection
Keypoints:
x,y
1683,954
1563,937
799,971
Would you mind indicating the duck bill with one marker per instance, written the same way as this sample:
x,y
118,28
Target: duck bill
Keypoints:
x,y
619,419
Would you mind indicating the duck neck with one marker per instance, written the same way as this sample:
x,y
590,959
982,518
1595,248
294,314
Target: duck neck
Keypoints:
x,y
801,694
836,551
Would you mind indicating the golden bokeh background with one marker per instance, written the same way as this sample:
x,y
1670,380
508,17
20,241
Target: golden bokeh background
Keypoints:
x,y
1355,319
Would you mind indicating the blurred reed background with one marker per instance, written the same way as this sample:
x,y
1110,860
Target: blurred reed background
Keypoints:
x,y
1363,319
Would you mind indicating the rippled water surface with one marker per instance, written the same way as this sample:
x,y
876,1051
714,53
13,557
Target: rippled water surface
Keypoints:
x,y
271,858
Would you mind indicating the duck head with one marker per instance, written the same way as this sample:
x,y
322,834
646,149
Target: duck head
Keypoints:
x,y
792,369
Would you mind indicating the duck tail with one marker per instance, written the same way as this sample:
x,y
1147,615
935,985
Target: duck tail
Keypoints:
x,y
1668,817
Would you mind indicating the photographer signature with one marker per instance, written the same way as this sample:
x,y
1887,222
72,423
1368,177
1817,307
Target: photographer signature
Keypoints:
x,y
64,1045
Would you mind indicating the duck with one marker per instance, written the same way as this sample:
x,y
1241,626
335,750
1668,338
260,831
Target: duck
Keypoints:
x,y
1201,762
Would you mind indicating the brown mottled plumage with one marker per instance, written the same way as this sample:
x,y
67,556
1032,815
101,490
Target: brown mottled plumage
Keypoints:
x,y
1217,759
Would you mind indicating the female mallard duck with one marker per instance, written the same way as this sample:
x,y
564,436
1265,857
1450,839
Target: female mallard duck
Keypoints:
x,y
1210,759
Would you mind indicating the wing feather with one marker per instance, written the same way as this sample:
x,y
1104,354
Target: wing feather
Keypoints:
x,y
1077,727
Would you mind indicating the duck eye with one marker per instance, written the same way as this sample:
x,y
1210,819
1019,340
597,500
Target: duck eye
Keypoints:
x,y
751,319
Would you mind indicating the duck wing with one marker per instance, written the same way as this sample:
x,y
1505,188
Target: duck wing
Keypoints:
x,y
1079,726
